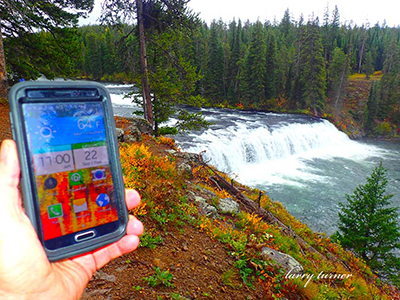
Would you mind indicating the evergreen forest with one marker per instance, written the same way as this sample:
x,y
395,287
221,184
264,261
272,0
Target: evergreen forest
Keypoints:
x,y
288,65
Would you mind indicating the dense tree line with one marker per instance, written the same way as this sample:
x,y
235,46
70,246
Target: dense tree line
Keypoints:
x,y
291,64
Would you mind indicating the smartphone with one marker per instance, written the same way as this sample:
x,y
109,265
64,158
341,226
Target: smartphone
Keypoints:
x,y
71,177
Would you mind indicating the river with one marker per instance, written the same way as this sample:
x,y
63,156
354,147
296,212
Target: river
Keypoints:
x,y
304,163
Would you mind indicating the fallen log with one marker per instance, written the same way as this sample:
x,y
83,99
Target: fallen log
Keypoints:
x,y
267,216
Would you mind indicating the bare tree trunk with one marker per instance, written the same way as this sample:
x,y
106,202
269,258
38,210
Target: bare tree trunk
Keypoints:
x,y
147,107
3,71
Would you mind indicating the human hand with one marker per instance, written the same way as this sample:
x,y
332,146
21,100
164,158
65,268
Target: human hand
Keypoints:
x,y
25,271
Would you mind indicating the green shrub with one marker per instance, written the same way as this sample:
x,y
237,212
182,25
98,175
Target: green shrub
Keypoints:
x,y
383,129
161,277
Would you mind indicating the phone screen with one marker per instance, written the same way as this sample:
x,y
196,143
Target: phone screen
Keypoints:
x,y
74,184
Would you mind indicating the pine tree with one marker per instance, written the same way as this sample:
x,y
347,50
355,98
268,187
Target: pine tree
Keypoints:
x,y
109,53
93,58
151,16
285,24
214,75
368,225
33,54
255,66
313,68
233,70
271,67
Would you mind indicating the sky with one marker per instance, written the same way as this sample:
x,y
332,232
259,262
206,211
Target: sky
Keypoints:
x,y
360,12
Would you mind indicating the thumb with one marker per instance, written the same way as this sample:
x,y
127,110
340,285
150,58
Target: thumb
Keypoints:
x,y
10,204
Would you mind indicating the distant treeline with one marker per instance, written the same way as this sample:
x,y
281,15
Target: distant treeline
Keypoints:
x,y
287,64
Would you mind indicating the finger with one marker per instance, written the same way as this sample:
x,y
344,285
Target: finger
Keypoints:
x,y
126,244
9,178
132,198
134,227
98,258
9,165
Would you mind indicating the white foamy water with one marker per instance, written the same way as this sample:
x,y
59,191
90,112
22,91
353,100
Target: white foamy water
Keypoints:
x,y
269,155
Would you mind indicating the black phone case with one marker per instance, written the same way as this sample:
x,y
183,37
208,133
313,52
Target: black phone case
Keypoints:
x,y
16,118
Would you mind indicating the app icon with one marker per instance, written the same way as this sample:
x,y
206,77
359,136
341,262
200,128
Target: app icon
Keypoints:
x,y
99,174
75,178
102,200
80,205
55,211
50,183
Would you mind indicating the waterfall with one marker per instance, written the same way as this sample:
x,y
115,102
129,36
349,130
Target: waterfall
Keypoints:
x,y
302,162
269,154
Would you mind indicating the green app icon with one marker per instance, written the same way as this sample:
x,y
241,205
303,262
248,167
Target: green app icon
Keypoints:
x,y
55,211
75,178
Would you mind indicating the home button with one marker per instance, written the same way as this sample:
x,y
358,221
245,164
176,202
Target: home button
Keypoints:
x,y
85,236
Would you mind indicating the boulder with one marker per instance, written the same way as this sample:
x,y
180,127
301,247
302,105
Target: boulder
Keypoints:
x,y
133,133
185,169
142,125
185,165
120,135
205,208
282,259
228,205
205,191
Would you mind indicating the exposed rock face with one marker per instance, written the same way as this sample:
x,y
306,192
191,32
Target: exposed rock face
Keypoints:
x,y
185,166
142,125
284,260
133,133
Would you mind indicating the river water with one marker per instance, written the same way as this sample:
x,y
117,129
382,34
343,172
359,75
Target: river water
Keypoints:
x,y
304,163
